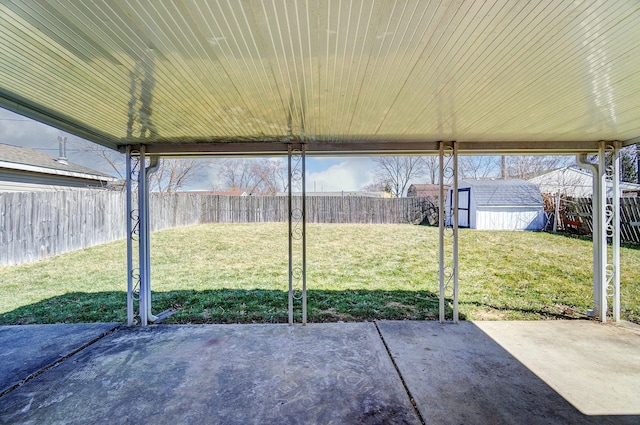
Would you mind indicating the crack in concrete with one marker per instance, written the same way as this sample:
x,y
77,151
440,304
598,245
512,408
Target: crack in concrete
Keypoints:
x,y
404,384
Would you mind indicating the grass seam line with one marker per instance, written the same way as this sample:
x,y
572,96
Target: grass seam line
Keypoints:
x,y
395,365
57,362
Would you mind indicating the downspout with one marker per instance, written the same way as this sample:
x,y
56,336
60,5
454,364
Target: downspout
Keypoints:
x,y
154,164
581,160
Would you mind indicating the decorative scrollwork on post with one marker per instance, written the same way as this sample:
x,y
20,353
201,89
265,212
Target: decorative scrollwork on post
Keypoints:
x,y
297,234
612,231
135,275
133,234
448,232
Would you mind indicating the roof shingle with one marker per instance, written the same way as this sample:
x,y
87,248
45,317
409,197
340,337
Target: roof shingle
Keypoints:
x,y
504,193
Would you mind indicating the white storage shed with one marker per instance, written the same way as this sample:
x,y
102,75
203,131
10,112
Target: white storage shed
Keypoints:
x,y
498,205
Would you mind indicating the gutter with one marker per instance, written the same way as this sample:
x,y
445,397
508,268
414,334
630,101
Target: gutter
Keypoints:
x,y
54,171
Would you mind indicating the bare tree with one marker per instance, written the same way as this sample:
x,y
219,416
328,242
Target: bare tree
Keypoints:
x,y
517,166
174,174
376,186
628,161
478,167
526,166
398,171
432,168
255,176
171,176
113,160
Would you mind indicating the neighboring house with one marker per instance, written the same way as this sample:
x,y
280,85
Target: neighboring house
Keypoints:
x,y
576,182
498,205
425,190
27,170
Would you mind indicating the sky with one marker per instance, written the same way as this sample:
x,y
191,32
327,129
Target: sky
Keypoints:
x,y
324,174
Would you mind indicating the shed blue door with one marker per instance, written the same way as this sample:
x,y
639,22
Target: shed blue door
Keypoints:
x,y
464,206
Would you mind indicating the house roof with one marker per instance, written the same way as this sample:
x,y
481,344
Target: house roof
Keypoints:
x,y
347,76
424,190
504,193
573,181
27,159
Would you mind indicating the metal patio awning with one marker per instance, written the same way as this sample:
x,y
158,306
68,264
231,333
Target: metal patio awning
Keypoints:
x,y
352,76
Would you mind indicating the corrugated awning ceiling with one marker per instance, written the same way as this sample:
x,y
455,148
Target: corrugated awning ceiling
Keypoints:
x,y
340,74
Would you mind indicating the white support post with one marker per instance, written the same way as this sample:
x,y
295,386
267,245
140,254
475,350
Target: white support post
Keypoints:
x,y
153,166
456,204
290,233
130,225
441,224
595,227
602,232
297,233
143,254
614,228
304,236
607,266
448,228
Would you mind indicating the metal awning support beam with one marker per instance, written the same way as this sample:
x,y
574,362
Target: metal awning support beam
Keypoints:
x,y
389,146
297,232
145,237
595,224
139,236
133,274
609,231
606,230
448,231
144,254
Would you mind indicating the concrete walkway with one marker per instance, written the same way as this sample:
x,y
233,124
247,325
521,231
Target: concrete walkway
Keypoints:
x,y
340,373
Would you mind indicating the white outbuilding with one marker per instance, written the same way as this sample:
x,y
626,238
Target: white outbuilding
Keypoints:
x,y
498,205
573,181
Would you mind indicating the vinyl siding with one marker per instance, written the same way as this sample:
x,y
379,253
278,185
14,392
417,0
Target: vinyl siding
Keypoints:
x,y
23,181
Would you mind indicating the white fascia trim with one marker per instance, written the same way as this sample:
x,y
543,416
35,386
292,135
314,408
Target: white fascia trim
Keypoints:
x,y
44,170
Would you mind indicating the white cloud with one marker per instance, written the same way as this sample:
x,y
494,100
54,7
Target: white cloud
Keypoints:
x,y
350,174
20,131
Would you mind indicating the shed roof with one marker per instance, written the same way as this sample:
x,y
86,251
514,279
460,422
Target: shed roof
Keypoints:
x,y
341,76
27,159
504,193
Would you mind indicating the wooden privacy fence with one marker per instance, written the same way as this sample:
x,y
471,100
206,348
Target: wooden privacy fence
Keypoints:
x,y
320,209
581,210
38,225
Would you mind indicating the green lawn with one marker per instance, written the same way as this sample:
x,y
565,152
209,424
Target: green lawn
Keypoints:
x,y
228,273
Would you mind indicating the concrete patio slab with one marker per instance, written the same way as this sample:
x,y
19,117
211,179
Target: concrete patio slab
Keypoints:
x,y
226,374
27,349
594,366
547,372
